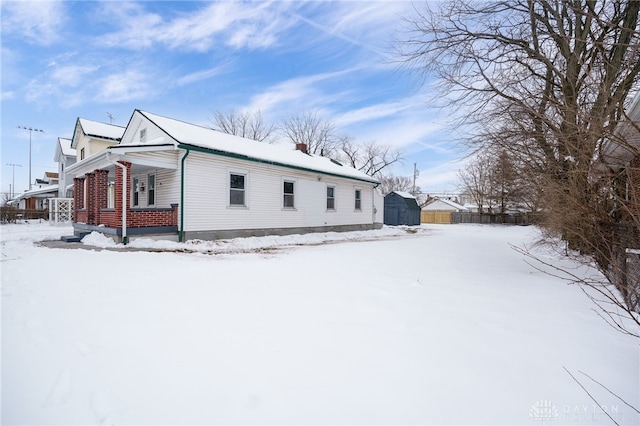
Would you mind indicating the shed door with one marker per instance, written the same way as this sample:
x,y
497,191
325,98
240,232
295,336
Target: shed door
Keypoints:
x,y
392,217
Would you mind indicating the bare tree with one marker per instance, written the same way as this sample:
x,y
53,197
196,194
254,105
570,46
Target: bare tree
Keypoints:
x,y
390,183
507,182
476,180
371,158
317,134
245,124
547,81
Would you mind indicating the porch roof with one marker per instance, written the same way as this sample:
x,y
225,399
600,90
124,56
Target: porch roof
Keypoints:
x,y
106,158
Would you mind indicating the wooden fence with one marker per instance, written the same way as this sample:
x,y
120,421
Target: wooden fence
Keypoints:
x,y
12,214
435,216
496,218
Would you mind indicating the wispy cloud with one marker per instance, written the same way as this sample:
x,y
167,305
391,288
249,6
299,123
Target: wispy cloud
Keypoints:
x,y
73,85
125,86
71,75
252,25
367,25
198,76
296,94
36,22
440,178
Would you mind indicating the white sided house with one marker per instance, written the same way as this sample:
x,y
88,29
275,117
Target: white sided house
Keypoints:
x,y
65,156
182,181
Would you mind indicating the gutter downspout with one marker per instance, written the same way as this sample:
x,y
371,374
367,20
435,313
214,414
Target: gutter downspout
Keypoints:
x,y
125,184
374,211
181,233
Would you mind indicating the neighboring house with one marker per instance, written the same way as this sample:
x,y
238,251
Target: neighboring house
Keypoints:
x,y
622,156
439,210
65,156
620,162
91,137
36,198
50,178
171,179
442,204
401,208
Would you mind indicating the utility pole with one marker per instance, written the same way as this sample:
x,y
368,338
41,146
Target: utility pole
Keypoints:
x,y
13,178
416,173
31,130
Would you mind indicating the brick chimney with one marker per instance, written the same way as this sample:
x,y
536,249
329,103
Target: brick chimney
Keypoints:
x,y
301,147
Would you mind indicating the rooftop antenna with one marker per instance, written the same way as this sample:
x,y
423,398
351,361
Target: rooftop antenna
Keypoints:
x,y
110,117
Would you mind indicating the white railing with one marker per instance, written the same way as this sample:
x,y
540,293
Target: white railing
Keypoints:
x,y
60,211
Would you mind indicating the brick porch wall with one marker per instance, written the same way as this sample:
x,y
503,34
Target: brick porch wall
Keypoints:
x,y
95,211
79,213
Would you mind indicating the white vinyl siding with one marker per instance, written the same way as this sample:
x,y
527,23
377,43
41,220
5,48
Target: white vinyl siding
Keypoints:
x,y
152,135
167,181
207,196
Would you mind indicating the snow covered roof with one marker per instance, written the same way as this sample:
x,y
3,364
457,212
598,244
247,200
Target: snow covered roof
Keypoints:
x,y
448,203
35,192
101,130
65,147
404,194
238,147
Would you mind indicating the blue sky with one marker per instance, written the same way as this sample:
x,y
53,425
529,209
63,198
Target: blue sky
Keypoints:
x,y
187,60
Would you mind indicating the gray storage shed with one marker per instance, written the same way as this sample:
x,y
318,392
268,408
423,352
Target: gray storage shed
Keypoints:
x,y
401,208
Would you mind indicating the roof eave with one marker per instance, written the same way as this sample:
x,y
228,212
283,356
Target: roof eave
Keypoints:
x,y
274,163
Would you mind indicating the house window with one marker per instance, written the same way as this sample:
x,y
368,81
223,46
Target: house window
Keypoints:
x,y
135,191
288,192
237,189
151,190
111,194
331,199
143,135
358,199
82,154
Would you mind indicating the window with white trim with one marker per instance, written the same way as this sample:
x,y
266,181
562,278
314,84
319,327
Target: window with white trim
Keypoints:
x,y
151,189
288,192
143,135
237,189
111,194
331,197
358,199
135,191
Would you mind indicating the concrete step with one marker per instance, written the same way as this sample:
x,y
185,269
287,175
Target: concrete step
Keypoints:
x,y
71,238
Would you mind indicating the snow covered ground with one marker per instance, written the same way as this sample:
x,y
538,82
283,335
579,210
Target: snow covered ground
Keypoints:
x,y
446,325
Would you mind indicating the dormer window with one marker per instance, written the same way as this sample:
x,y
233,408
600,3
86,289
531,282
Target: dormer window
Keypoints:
x,y
143,135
